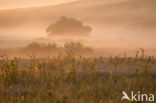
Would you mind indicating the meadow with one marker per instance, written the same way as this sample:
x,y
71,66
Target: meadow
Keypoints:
x,y
75,79
43,59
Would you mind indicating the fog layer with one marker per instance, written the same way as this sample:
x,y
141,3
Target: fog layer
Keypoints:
x,y
120,24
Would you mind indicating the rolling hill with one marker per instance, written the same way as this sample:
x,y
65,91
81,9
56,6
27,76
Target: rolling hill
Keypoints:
x,y
128,12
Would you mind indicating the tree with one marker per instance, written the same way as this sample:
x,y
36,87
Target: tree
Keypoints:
x,y
33,46
68,26
72,48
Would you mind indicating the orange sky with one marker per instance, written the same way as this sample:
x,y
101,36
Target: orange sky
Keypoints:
x,y
9,4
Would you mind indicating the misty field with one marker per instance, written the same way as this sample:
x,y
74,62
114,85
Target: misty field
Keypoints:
x,y
77,51
71,79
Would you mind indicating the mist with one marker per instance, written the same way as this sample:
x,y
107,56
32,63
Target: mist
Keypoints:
x,y
117,25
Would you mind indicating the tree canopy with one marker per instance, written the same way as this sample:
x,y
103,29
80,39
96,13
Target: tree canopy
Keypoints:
x,y
68,26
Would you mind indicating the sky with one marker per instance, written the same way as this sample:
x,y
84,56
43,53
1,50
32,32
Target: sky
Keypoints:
x,y
9,4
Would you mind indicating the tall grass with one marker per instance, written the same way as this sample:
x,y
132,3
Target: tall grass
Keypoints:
x,y
71,79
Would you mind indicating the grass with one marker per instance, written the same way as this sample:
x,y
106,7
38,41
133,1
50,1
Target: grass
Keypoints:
x,y
75,79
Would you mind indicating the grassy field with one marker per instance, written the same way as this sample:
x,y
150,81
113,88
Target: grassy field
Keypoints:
x,y
71,79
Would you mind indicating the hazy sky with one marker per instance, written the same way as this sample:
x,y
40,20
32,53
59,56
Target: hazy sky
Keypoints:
x,y
7,4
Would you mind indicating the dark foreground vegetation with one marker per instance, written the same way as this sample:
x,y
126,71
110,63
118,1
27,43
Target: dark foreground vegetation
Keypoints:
x,y
71,79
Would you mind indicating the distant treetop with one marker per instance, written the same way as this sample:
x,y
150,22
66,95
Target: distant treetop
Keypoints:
x,y
68,26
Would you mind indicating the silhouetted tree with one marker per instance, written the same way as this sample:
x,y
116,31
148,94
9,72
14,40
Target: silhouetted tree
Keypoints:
x,y
68,26
77,48
33,45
